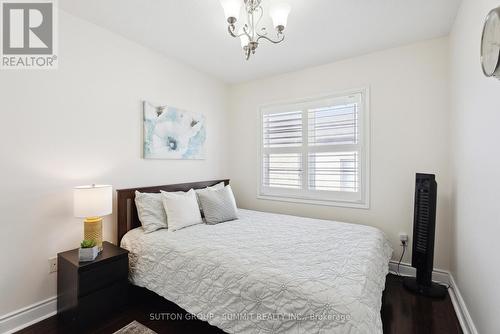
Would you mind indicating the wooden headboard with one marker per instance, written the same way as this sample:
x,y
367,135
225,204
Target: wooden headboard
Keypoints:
x,y
127,211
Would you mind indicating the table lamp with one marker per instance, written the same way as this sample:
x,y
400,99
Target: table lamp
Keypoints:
x,y
93,202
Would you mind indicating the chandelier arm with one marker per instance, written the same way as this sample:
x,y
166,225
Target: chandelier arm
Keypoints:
x,y
261,14
245,32
231,32
271,40
231,29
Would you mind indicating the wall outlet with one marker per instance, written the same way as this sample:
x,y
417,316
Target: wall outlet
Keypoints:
x,y
403,237
52,265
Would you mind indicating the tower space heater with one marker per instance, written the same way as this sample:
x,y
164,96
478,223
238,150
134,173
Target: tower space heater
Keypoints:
x,y
424,226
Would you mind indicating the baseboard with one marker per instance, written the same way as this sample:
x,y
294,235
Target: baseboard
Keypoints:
x,y
461,309
443,276
26,316
405,269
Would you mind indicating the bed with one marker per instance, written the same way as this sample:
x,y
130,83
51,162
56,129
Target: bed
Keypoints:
x,y
264,272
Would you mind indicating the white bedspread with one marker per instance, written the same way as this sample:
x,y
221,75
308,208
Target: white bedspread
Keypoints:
x,y
268,273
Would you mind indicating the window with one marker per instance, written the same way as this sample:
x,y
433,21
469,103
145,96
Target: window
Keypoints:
x,y
316,151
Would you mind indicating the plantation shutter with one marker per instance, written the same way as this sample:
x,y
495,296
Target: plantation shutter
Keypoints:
x,y
334,128
282,168
316,149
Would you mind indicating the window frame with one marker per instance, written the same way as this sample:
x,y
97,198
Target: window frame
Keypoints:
x,y
318,197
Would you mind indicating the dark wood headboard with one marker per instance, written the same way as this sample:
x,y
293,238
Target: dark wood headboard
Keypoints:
x,y
127,211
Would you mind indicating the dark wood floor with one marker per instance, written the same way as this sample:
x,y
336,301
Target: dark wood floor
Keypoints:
x,y
402,312
405,312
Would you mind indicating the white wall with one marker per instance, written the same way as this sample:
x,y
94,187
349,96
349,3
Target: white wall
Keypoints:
x,y
475,110
409,116
81,124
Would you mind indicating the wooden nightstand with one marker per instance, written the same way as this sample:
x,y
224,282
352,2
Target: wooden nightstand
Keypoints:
x,y
89,291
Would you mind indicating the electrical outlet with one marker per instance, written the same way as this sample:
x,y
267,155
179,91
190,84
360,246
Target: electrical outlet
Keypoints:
x,y
52,265
403,237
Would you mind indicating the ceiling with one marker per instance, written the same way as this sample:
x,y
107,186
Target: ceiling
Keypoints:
x,y
319,31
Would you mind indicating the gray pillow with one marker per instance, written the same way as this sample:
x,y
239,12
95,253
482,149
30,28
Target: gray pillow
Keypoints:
x,y
218,186
218,205
150,211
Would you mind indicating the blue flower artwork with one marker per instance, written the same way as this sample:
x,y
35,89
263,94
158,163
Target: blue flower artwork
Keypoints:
x,y
171,133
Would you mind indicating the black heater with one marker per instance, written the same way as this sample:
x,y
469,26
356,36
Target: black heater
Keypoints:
x,y
424,226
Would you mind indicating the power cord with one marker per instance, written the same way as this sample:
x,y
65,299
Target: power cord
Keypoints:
x,y
404,245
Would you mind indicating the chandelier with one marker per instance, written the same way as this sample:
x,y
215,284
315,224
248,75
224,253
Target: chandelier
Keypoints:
x,y
250,31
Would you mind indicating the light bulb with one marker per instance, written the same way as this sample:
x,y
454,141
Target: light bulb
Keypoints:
x,y
231,8
279,12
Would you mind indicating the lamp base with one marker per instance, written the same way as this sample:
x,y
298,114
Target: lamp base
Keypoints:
x,y
92,230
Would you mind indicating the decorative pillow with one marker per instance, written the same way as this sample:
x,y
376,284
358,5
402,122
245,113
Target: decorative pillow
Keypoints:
x,y
182,209
218,205
218,186
150,210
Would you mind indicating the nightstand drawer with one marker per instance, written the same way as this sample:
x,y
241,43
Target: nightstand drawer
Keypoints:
x,y
101,276
97,304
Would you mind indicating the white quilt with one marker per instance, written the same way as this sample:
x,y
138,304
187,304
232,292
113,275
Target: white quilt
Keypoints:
x,y
268,273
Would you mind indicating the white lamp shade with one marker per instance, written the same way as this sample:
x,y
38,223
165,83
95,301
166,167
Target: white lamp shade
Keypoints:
x,y
231,8
93,201
243,38
279,12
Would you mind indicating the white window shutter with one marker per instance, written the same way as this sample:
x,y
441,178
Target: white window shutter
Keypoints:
x,y
316,150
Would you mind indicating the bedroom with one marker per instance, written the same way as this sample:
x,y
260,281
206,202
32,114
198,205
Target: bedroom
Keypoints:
x,y
422,104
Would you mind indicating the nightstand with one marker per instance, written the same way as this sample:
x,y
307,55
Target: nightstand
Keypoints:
x,y
89,291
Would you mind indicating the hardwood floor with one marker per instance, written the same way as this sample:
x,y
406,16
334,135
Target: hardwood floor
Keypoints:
x,y
405,312
402,312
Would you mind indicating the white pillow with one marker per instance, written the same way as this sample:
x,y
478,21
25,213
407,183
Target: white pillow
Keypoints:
x,y
218,186
150,211
182,209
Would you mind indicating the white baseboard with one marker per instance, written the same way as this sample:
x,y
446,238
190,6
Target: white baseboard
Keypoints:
x,y
463,314
405,269
443,276
26,316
